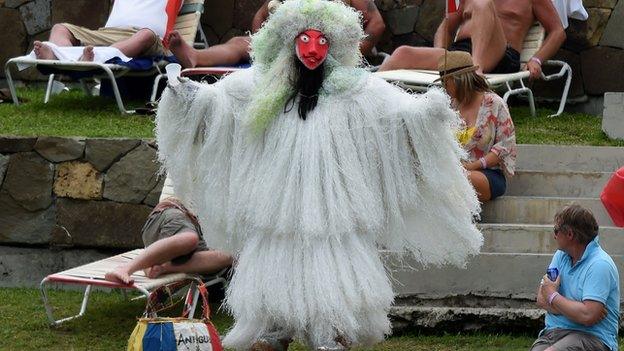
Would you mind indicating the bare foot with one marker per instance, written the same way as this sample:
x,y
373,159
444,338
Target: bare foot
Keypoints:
x,y
43,51
87,54
119,275
154,271
181,50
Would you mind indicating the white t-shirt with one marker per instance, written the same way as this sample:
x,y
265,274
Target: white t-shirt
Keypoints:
x,y
150,14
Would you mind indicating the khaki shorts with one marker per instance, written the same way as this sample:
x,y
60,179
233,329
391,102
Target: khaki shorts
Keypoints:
x,y
167,223
110,36
568,340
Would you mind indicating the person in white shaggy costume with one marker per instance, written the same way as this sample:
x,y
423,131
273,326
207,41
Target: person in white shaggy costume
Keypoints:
x,y
304,167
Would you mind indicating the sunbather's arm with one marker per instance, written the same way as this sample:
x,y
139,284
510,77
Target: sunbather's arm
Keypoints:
x,y
442,38
374,25
261,15
546,14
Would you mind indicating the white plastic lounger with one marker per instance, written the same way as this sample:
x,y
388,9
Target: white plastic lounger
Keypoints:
x,y
92,274
187,23
421,79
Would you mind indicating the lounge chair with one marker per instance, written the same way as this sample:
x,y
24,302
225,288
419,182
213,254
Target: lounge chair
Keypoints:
x,y
187,23
92,274
421,79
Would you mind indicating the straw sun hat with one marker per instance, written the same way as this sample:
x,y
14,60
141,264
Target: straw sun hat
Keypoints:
x,y
455,62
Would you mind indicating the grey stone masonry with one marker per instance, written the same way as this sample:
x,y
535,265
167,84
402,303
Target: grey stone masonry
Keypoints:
x,y
36,16
612,35
613,115
57,149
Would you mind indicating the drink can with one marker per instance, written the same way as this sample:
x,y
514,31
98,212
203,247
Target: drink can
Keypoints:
x,y
552,273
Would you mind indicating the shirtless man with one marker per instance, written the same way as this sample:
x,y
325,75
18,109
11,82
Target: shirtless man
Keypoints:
x,y
237,48
493,31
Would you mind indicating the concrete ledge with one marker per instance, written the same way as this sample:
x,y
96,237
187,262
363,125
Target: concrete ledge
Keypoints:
x,y
613,115
538,210
560,158
508,275
538,238
566,184
27,266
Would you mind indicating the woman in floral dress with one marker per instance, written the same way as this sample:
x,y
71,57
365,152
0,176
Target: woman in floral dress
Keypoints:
x,y
487,135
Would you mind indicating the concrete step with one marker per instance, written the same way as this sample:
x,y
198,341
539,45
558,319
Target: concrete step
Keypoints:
x,y
538,210
538,239
497,275
562,158
566,184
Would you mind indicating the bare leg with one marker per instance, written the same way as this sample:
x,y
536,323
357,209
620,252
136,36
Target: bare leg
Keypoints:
x,y
61,36
87,54
137,44
481,185
410,57
488,38
229,53
200,262
156,254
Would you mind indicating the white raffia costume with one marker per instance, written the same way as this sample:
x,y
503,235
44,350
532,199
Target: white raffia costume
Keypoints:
x,y
306,204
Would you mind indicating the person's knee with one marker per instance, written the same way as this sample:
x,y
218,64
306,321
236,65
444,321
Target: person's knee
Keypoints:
x,y
480,184
145,37
402,51
59,29
482,5
188,240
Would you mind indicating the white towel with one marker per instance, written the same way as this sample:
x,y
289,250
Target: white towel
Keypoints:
x,y
570,8
73,53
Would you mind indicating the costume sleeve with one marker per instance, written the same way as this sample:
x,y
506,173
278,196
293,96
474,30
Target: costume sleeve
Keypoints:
x,y
194,131
598,282
505,141
432,213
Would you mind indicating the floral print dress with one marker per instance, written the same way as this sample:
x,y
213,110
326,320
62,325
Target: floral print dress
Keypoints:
x,y
493,131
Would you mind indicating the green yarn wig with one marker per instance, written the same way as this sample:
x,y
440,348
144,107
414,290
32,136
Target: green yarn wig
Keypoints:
x,y
273,51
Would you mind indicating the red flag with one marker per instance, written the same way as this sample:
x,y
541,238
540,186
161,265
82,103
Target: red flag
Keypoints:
x,y
452,6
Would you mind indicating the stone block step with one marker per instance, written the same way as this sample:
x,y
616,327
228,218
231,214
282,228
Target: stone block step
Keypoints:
x,y
538,210
538,239
567,184
406,317
511,275
562,158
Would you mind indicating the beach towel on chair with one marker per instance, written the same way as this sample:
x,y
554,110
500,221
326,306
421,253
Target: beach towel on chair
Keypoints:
x,y
102,54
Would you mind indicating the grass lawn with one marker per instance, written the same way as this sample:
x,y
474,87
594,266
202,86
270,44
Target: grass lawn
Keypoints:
x,y
110,320
75,114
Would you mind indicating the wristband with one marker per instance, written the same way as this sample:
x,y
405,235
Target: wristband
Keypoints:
x,y
551,297
483,163
539,62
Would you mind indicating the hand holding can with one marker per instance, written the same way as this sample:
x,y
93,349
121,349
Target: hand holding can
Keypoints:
x,y
552,273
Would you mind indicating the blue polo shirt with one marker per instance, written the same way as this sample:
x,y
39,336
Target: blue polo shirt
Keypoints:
x,y
593,277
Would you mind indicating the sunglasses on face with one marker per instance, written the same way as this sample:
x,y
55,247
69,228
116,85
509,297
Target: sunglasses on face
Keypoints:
x,y
556,230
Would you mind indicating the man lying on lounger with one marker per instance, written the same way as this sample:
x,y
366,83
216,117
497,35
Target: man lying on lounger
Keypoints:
x,y
174,243
135,27
236,49
493,32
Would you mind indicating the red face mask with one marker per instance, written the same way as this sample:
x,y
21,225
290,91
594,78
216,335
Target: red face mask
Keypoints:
x,y
312,47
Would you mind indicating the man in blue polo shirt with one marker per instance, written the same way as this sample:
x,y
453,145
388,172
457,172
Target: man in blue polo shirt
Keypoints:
x,y
583,303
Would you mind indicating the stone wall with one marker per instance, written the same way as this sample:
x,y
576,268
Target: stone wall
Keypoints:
x,y
76,193
593,48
